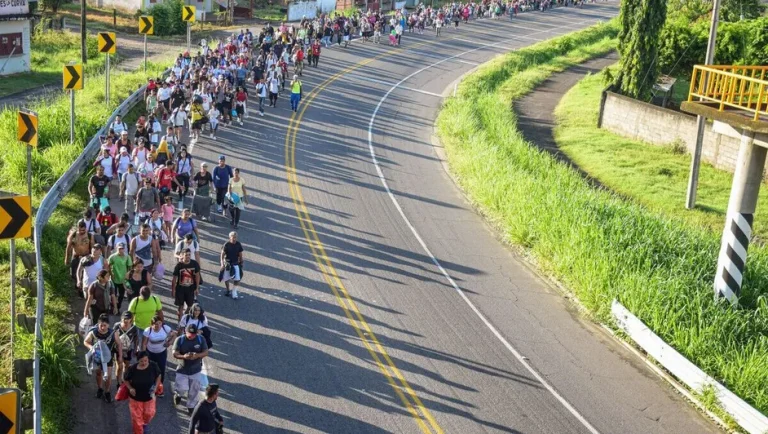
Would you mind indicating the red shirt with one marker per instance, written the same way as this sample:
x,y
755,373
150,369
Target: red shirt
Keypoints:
x,y
165,178
106,220
300,55
315,49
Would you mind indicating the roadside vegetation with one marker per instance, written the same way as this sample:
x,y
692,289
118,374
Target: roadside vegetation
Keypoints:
x,y
51,50
50,160
597,243
655,176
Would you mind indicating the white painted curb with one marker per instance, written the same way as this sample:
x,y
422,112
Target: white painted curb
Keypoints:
x,y
744,414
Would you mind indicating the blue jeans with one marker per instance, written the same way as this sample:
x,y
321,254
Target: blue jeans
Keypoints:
x,y
295,98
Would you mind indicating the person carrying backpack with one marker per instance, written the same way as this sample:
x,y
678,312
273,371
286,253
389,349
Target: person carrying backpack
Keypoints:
x,y
189,350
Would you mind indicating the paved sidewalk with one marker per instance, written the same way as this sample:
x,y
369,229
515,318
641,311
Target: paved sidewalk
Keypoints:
x,y
536,111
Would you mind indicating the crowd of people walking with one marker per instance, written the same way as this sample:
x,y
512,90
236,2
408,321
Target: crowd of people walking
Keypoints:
x,y
149,173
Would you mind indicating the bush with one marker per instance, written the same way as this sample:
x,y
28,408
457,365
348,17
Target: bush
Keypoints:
x,y
168,18
683,44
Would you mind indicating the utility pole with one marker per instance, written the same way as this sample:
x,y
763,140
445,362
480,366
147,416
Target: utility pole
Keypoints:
x,y
693,178
83,44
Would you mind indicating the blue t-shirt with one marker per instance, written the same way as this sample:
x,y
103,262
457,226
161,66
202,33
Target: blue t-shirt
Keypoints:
x,y
221,176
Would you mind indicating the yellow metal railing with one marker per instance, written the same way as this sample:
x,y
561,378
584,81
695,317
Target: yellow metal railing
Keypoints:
x,y
742,88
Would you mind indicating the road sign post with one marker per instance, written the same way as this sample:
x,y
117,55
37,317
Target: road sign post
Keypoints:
x,y
10,411
27,133
107,45
73,80
146,27
188,15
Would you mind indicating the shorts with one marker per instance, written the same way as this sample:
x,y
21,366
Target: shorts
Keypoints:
x,y
184,296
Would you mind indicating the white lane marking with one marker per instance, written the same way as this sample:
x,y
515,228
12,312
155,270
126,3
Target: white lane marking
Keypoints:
x,y
390,83
448,277
468,62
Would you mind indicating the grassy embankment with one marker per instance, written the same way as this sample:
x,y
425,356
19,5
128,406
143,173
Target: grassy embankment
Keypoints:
x,y
50,160
52,50
655,176
598,244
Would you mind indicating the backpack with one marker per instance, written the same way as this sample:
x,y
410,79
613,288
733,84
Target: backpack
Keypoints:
x,y
184,338
140,299
113,240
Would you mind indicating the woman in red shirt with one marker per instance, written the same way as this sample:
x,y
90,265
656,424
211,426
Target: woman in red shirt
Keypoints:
x,y
241,97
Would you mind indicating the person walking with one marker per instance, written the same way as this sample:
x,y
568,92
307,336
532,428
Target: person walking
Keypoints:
x,y
205,417
101,297
189,350
237,197
146,306
274,90
119,264
103,349
142,380
136,279
185,283
261,93
221,175
155,343
315,50
231,265
296,92
128,334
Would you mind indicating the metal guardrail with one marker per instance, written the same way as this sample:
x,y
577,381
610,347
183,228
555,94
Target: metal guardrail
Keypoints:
x,y
748,417
742,88
49,203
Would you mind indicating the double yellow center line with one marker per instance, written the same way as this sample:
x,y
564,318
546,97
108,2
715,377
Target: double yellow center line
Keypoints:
x,y
394,377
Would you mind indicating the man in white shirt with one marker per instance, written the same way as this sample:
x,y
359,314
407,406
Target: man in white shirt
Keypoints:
x,y
123,160
261,92
118,126
129,187
187,243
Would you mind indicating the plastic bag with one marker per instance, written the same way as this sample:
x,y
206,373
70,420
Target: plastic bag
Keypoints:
x,y
203,381
159,272
84,326
122,392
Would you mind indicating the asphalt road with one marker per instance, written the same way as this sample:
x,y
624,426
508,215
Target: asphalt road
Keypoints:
x,y
390,306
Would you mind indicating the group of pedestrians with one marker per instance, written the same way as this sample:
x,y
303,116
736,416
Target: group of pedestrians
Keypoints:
x,y
117,262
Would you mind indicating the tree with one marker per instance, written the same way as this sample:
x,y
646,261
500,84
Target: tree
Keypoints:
x,y
733,10
641,22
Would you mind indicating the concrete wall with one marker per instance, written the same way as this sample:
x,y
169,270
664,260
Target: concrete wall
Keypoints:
x,y
297,10
659,126
18,62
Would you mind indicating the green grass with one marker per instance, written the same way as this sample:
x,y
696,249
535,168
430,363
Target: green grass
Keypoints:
x,y
595,242
50,160
655,176
52,50
271,13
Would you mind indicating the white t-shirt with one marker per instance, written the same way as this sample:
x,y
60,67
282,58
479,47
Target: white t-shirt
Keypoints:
x,y
193,247
156,339
261,88
186,319
119,127
139,156
131,183
274,85
91,272
106,163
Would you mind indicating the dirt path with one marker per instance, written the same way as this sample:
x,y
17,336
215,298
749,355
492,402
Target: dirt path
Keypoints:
x,y
536,111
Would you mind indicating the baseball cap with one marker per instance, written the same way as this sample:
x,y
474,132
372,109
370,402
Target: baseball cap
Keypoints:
x,y
123,149
127,314
189,236
120,245
191,328
221,157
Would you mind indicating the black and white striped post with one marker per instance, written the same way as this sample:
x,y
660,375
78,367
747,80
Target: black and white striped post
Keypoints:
x,y
738,223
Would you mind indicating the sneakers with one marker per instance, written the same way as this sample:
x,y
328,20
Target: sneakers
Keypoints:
x,y
227,294
235,295
218,209
176,399
261,114
107,397
241,123
100,393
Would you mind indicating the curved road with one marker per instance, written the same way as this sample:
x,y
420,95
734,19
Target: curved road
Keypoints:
x,y
376,299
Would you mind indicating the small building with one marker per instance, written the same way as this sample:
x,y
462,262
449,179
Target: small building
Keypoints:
x,y
14,37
